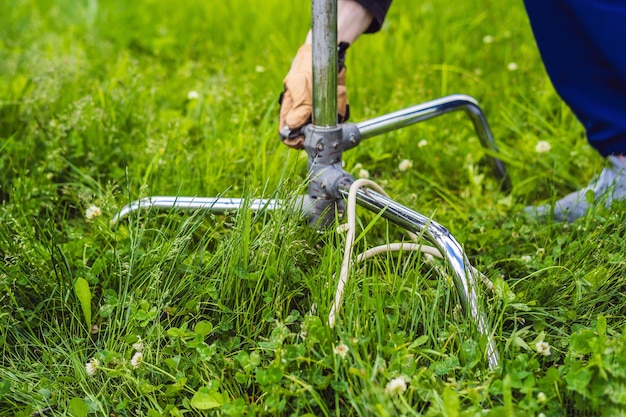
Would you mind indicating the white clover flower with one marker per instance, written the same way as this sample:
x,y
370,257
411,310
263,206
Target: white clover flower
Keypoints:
x,y
488,39
396,385
541,397
541,251
341,350
364,173
92,366
259,68
525,258
422,143
193,95
541,415
138,345
512,66
405,165
543,348
136,360
92,212
543,147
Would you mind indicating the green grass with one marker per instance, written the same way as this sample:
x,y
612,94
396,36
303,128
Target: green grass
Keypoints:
x,y
230,310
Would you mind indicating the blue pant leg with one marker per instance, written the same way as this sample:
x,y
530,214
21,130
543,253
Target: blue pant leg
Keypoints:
x,y
583,47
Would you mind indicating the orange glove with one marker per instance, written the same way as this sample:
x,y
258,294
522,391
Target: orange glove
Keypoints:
x,y
296,100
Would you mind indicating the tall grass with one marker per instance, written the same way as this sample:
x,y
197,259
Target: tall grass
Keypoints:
x,y
104,102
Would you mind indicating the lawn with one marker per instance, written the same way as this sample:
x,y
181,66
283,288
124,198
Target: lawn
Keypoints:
x,y
198,313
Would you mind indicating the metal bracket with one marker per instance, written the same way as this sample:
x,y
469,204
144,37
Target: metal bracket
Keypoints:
x,y
325,147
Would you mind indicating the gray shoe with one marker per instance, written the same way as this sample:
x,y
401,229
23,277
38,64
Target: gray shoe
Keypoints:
x,y
609,186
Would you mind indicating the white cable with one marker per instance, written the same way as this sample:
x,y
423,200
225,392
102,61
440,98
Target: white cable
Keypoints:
x,y
397,247
350,227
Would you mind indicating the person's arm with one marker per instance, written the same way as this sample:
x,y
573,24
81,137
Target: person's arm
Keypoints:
x,y
353,19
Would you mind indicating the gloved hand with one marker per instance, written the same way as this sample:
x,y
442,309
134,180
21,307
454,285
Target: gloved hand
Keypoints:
x,y
296,100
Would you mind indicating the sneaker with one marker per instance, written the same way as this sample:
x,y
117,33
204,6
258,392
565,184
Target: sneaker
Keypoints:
x,y
609,186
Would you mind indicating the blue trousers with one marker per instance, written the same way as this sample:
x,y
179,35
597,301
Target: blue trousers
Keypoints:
x,y
583,47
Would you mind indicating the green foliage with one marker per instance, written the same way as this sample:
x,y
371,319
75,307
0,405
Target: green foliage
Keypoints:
x,y
173,314
81,287
596,368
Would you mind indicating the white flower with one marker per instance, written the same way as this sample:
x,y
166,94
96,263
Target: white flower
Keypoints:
x,y
541,251
259,68
543,147
512,66
92,366
193,95
396,385
422,143
92,212
341,350
541,397
136,360
541,415
364,173
138,345
405,165
543,348
488,39
525,258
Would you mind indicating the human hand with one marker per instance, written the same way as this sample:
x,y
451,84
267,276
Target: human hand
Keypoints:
x,y
296,100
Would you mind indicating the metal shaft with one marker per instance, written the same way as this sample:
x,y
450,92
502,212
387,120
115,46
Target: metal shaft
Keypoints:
x,y
210,204
434,108
324,34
